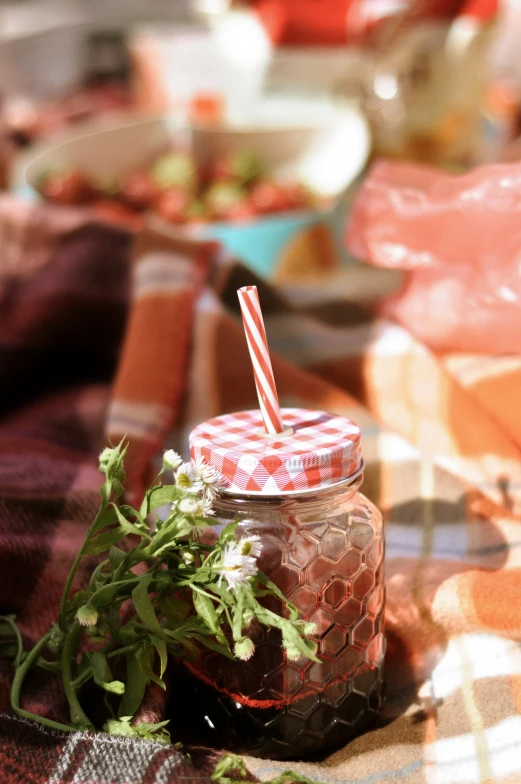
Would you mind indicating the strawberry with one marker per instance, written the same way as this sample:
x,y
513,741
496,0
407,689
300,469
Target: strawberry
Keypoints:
x,y
297,196
268,196
138,190
116,213
242,212
67,187
172,205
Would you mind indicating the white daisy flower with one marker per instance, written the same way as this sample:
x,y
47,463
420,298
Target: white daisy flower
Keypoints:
x,y
208,477
251,545
185,477
192,505
237,568
188,505
205,507
172,460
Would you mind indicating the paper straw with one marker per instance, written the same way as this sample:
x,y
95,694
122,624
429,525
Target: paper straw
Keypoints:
x,y
260,359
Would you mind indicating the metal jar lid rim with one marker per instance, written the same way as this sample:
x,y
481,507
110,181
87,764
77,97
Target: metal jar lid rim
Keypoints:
x,y
288,493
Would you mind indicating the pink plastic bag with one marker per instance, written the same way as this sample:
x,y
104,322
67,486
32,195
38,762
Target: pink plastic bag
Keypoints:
x,y
459,237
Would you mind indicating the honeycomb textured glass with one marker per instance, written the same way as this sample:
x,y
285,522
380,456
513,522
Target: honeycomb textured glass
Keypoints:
x,y
326,555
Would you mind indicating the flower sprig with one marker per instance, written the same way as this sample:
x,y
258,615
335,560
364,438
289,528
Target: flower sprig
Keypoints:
x,y
118,632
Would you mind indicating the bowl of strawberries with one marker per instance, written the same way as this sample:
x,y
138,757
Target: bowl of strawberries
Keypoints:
x,y
254,188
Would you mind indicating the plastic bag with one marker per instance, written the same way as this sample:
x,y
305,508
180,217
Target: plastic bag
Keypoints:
x,y
459,238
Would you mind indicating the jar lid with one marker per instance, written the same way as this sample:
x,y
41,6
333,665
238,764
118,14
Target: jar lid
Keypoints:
x,y
317,450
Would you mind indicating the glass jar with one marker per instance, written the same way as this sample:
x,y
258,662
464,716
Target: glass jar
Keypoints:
x,y
324,549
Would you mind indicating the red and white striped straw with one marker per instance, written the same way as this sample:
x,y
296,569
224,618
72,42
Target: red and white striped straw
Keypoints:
x,y
260,359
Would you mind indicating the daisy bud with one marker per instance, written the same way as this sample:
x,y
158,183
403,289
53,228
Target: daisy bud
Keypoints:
x,y
172,460
310,629
292,652
87,615
244,649
111,464
56,639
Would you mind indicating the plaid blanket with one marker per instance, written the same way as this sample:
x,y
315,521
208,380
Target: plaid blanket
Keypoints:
x,y
443,463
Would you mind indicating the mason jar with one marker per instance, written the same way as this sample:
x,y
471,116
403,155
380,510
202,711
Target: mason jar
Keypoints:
x,y
323,546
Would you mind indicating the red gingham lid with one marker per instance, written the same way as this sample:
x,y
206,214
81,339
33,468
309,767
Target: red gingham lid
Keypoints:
x,y
323,449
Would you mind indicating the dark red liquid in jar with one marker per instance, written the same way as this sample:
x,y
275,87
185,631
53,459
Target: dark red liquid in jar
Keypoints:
x,y
326,555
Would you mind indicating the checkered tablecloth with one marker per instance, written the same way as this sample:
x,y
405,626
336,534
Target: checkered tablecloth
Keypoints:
x,y
443,461
441,438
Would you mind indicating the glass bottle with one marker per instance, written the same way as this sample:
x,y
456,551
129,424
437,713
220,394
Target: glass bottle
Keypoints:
x,y
323,547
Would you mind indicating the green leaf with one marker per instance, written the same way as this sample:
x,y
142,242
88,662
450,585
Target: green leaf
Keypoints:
x,y
120,727
104,541
160,646
144,607
144,730
136,684
129,511
228,764
128,634
159,681
223,592
274,589
106,518
159,496
155,732
174,609
115,687
108,593
146,662
116,557
227,532
289,632
182,639
113,620
102,673
129,527
205,609
224,650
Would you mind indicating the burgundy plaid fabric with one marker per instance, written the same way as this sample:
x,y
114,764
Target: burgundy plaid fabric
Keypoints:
x,y
64,289
446,475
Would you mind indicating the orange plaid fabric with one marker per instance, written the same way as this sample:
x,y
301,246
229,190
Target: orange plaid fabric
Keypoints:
x,y
442,443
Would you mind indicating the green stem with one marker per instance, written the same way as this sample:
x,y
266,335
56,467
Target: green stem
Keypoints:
x,y
48,666
81,679
9,619
126,649
74,568
211,596
16,688
55,725
97,571
78,717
